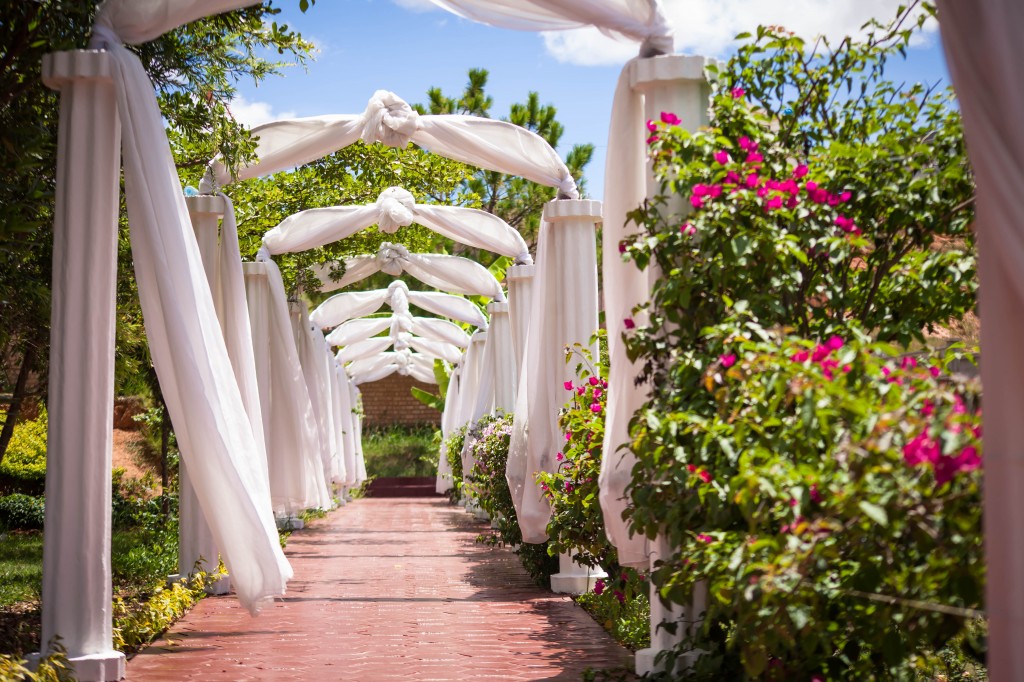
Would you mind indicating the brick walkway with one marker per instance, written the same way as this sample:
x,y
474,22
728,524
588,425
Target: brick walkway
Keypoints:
x,y
388,589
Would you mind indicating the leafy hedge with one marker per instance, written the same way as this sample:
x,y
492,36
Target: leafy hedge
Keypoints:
x,y
452,447
25,459
21,512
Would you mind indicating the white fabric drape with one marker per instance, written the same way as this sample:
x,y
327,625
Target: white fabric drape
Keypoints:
x,y
394,208
337,415
346,306
481,142
641,20
984,51
357,419
453,274
520,307
566,262
435,349
187,346
312,360
444,469
348,428
139,21
293,442
440,330
366,348
469,379
358,330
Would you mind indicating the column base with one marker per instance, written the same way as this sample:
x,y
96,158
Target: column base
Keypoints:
x,y
108,666
290,522
645,661
576,583
481,515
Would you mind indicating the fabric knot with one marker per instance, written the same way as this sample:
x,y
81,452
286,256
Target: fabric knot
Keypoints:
x,y
655,45
263,255
398,298
388,119
400,323
103,35
567,188
395,206
401,340
392,258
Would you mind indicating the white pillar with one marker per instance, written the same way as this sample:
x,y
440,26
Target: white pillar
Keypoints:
x,y
676,84
76,543
574,578
520,302
195,541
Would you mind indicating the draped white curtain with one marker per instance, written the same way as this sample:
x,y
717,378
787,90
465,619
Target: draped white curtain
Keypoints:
x,y
481,142
187,346
313,358
566,262
984,51
432,328
394,208
453,274
350,305
448,418
297,477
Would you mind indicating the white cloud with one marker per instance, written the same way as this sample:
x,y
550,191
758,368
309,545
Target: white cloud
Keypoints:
x,y
252,114
707,27
416,5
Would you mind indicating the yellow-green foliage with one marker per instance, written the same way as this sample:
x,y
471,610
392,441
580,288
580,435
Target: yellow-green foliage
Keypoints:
x,y
137,625
53,668
26,455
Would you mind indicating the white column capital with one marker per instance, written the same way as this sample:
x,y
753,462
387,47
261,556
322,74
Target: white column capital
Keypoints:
x,y
561,210
206,204
497,307
61,68
520,272
667,70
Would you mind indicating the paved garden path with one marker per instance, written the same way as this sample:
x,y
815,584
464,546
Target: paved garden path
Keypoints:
x,y
388,589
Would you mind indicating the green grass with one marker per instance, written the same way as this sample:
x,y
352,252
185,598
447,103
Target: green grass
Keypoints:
x,y
401,451
21,567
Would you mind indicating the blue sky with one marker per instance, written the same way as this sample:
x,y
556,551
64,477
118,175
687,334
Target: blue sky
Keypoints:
x,y
406,46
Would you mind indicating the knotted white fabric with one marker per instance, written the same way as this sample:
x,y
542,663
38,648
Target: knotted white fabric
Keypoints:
x,y
297,479
440,330
186,342
566,261
384,364
395,208
984,51
354,304
640,20
481,142
435,349
358,330
454,274
364,349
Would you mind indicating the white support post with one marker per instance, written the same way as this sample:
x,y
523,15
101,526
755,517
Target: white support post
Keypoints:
x,y
520,303
195,541
77,592
574,578
676,84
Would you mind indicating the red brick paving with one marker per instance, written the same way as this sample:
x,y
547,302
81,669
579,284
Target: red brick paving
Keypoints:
x,y
389,589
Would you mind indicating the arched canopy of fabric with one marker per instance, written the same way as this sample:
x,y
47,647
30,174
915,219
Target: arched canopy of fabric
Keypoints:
x,y
395,208
428,327
419,367
481,142
401,341
453,274
355,304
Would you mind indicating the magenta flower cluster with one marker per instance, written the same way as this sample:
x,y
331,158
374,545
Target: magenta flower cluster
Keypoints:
x,y
822,355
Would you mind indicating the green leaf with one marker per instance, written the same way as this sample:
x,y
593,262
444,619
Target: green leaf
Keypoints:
x,y
874,512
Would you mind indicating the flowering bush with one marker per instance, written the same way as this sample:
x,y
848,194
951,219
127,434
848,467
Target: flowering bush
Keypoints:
x,y
25,459
621,606
830,502
823,485
486,484
453,453
577,525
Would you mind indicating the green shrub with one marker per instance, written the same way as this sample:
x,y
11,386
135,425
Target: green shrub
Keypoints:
x,y
400,451
487,485
21,512
54,668
453,453
25,459
622,607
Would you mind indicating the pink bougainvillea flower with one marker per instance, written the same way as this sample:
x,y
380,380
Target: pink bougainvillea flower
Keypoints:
x,y
594,381
670,118
651,125
792,203
815,495
688,229
934,371
773,204
701,190
732,178
544,487
928,408
598,393
704,475
727,360
559,457
595,408
738,93
909,362
568,436
835,342
696,201
793,502
747,145
580,390
800,356
628,323
800,171
652,139
620,596
846,224
753,180
763,192
568,385
820,353
845,196
703,537
598,586
568,487
622,247
692,468
722,157
714,191
754,157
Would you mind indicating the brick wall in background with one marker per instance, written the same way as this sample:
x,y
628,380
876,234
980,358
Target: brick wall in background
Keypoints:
x,y
389,401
